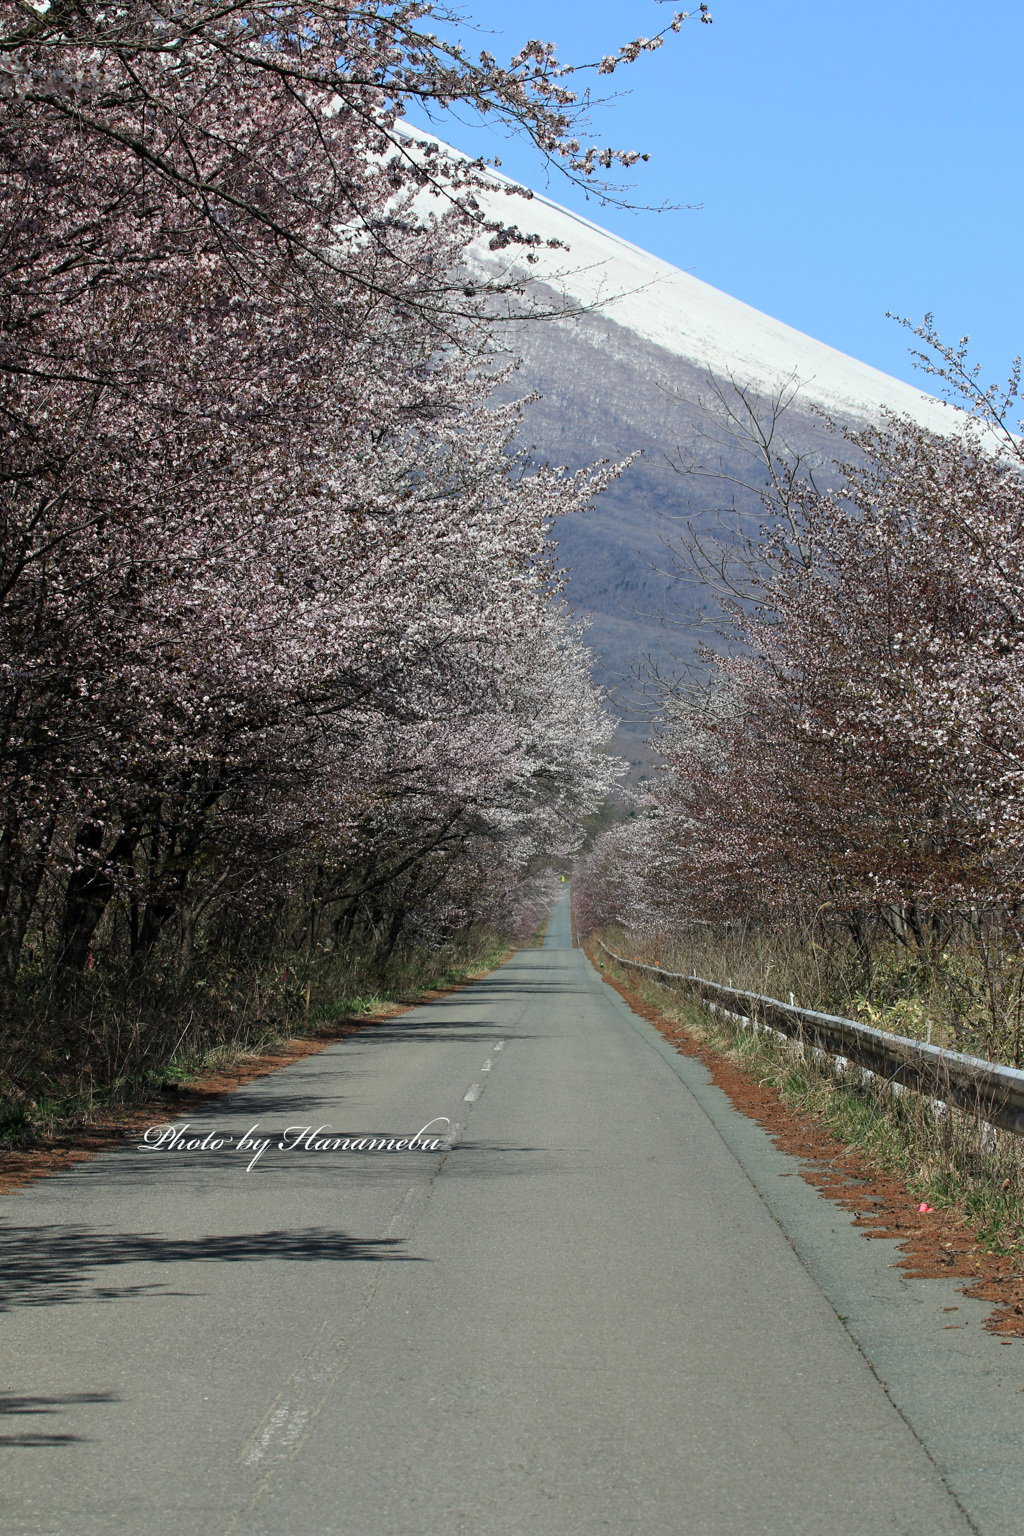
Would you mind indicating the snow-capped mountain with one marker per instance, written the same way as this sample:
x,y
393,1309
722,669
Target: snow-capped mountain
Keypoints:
x,y
636,351
691,320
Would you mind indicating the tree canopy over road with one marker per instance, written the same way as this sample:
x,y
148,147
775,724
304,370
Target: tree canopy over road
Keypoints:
x,y
282,635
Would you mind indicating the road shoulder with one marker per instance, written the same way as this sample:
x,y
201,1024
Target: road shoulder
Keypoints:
x,y
959,1387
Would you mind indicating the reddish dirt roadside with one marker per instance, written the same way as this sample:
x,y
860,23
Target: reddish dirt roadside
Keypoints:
x,y
937,1244
111,1127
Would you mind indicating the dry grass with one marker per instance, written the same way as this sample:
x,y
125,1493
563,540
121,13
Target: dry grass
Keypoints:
x,y
967,995
536,940
66,1059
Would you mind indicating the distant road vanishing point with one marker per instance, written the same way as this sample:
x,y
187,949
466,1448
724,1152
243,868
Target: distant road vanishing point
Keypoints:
x,y
594,1306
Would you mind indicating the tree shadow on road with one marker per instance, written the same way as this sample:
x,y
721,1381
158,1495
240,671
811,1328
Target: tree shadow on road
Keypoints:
x,y
53,1265
17,1405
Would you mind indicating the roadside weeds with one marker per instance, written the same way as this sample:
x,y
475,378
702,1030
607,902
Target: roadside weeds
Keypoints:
x,y
112,1125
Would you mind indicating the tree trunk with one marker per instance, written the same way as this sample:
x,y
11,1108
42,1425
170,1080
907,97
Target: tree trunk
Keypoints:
x,y
90,889
23,871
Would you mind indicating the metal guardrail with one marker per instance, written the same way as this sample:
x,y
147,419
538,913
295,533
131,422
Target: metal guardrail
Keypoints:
x,y
977,1086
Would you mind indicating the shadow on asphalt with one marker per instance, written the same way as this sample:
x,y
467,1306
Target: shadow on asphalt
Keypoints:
x,y
54,1265
424,1029
296,1172
548,989
18,1406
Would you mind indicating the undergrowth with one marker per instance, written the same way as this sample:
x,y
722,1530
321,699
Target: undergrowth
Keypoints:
x,y
966,994
536,940
68,1058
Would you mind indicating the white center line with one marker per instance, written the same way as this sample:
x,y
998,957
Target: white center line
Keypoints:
x,y
499,1045
416,1195
278,1420
286,1425
488,1064
453,1138
473,1094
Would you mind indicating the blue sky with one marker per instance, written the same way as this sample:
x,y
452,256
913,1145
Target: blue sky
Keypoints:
x,y
851,156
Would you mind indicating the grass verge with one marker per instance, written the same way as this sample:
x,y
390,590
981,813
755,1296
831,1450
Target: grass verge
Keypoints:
x,y
42,1133
536,940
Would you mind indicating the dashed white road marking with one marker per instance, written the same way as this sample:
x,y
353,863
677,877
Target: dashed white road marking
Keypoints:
x,y
453,1138
410,1205
477,1088
285,1426
287,1423
276,1423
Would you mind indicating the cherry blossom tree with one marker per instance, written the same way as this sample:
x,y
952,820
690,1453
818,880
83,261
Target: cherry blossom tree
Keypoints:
x,y
279,619
859,751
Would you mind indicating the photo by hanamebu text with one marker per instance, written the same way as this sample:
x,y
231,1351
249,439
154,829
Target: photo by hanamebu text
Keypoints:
x,y
297,1138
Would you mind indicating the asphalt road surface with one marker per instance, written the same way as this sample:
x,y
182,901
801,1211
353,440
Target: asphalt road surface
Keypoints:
x,y
601,1310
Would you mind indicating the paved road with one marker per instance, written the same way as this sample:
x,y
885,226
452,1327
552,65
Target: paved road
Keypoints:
x,y
584,1317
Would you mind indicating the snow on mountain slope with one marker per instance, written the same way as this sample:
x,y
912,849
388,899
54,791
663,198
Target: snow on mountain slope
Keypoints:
x,y
689,319
627,368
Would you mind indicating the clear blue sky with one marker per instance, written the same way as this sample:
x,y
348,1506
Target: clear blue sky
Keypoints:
x,y
851,156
